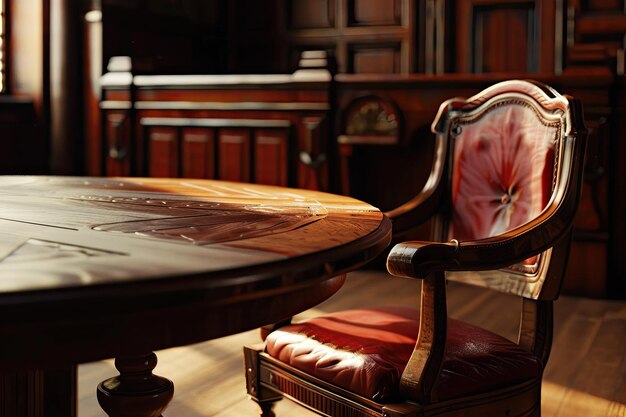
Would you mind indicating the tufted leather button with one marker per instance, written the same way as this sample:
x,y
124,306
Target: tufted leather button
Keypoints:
x,y
505,199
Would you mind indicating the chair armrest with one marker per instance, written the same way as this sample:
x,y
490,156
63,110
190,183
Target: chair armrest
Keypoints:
x,y
424,205
417,259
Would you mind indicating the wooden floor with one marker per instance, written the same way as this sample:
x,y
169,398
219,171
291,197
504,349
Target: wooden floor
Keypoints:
x,y
586,375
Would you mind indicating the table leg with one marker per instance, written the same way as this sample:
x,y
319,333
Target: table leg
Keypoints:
x,y
38,393
136,391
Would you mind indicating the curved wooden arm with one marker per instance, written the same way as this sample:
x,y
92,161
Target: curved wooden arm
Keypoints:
x,y
419,259
415,259
424,205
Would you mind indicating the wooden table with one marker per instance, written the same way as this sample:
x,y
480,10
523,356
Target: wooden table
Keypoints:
x,y
93,268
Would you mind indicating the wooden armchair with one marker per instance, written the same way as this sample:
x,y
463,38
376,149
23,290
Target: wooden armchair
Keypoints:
x,y
504,188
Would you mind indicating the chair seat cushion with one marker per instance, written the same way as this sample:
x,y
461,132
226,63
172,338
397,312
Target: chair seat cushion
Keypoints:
x,y
365,351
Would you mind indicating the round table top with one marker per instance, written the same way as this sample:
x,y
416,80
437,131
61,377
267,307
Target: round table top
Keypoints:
x,y
81,252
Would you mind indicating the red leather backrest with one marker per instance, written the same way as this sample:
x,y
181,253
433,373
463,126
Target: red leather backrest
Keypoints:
x,y
504,146
503,170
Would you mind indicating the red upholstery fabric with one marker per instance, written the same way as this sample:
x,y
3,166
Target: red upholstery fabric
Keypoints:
x,y
366,350
503,171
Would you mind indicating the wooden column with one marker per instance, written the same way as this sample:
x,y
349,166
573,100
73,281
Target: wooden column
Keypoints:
x,y
93,66
65,88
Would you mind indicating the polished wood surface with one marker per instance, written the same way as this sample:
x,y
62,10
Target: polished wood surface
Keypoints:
x,y
151,263
588,343
92,268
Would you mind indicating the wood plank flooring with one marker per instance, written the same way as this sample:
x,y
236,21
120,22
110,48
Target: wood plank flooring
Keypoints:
x,y
586,374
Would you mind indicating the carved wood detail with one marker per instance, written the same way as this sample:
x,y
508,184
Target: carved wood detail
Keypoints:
x,y
136,391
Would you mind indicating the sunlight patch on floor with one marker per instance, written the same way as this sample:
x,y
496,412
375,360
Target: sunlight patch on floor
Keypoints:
x,y
555,399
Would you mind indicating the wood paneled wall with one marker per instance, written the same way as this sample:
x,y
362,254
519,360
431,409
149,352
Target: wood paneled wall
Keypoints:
x,y
264,129
505,36
366,36
247,36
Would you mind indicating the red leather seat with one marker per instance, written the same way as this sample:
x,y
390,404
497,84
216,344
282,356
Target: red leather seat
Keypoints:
x,y
365,351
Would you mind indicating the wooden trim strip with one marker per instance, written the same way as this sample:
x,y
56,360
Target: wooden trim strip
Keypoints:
x,y
367,140
307,75
388,31
213,105
194,122
319,76
115,105
276,368
601,24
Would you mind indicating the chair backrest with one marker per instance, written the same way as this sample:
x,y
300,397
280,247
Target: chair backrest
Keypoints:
x,y
507,151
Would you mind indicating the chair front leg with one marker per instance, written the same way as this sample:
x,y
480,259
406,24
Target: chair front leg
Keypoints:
x,y
263,397
422,370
